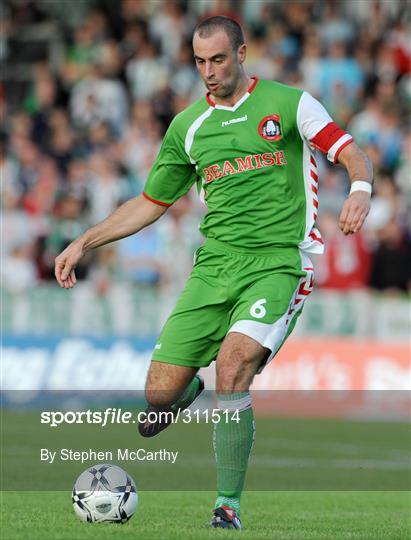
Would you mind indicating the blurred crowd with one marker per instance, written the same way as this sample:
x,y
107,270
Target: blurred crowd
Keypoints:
x,y
89,88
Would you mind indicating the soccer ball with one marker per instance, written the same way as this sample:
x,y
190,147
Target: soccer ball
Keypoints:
x,y
104,493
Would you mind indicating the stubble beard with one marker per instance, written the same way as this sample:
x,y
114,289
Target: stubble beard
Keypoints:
x,y
225,91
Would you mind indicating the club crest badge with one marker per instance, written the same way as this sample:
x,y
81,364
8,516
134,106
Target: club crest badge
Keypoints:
x,y
270,128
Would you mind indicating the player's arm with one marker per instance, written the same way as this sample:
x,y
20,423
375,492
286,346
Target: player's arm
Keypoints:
x,y
357,205
129,218
317,127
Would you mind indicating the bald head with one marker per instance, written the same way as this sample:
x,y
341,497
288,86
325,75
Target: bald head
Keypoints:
x,y
231,28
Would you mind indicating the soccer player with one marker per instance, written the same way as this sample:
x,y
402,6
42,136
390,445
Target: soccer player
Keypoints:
x,y
250,147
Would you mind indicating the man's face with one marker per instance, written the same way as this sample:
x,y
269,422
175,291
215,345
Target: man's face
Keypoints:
x,y
218,64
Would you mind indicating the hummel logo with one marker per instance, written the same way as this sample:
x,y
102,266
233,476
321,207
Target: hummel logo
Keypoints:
x,y
158,346
234,121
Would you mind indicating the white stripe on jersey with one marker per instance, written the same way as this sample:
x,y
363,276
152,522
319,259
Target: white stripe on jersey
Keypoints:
x,y
336,146
188,142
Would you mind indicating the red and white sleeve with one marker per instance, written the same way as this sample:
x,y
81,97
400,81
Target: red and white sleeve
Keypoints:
x,y
319,130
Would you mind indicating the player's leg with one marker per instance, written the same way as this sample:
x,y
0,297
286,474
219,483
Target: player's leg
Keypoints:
x,y
169,387
238,361
189,340
167,382
264,315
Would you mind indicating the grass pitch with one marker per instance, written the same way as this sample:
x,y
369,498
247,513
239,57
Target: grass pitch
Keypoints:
x,y
337,460
289,454
185,516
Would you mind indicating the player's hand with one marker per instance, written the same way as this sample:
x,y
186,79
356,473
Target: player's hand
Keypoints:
x,y
354,212
65,264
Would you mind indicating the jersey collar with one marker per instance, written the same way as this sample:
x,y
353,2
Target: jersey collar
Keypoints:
x,y
239,102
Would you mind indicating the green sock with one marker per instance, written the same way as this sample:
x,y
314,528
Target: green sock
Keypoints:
x,y
188,396
233,441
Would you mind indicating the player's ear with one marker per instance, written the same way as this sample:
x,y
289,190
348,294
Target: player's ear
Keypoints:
x,y
242,53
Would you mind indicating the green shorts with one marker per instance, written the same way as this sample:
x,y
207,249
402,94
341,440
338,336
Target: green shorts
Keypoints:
x,y
259,294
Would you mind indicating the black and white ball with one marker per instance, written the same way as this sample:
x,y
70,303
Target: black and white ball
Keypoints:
x,y
104,493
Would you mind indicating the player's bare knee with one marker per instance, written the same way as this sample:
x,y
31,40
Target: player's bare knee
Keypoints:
x,y
232,379
235,371
165,383
161,399
158,393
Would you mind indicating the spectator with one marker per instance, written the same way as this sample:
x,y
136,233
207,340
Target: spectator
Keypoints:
x,y
96,99
366,124
168,27
310,63
77,179
136,34
147,72
17,226
340,76
29,160
184,74
68,222
345,264
140,258
381,126
61,147
179,238
391,264
402,174
9,172
80,55
18,271
259,59
104,89
106,188
39,198
335,28
40,105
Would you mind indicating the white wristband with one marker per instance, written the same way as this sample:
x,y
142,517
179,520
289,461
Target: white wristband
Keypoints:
x,y
359,185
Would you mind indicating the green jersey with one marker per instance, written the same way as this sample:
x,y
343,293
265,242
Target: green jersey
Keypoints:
x,y
254,164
